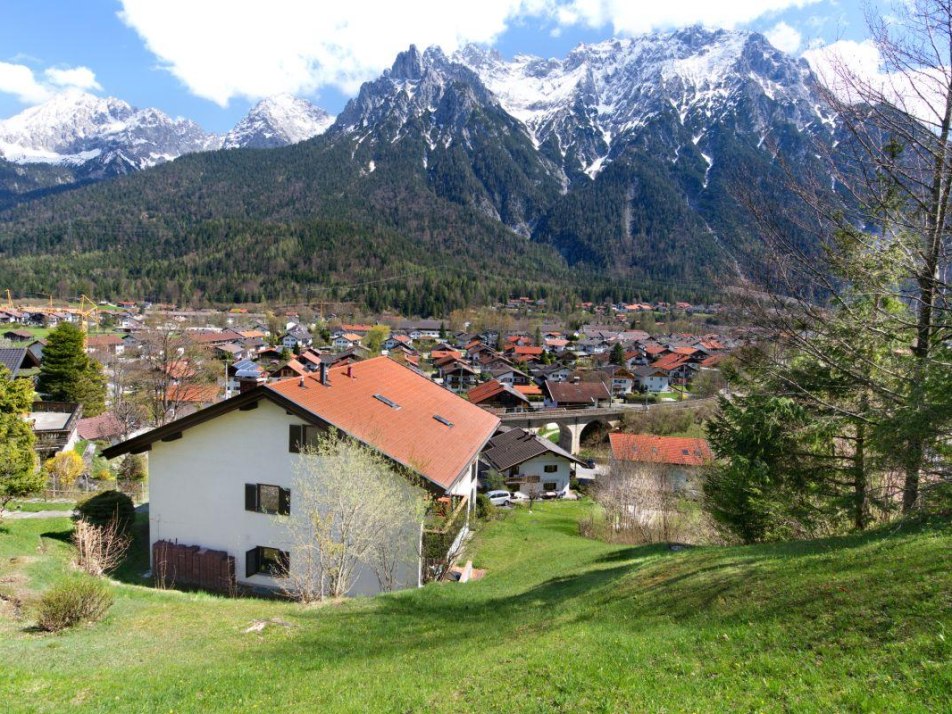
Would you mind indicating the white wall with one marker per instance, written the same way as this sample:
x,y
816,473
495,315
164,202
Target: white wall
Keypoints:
x,y
536,467
197,489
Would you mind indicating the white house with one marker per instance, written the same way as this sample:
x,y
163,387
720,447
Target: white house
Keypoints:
x,y
530,463
221,478
651,379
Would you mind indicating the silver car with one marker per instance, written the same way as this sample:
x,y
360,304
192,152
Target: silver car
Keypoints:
x,y
499,498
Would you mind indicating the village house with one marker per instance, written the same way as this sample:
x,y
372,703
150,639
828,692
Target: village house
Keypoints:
x,y
105,345
651,379
220,478
576,395
497,395
530,463
682,458
19,361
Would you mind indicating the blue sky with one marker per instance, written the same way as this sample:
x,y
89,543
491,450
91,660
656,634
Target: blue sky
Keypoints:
x,y
209,60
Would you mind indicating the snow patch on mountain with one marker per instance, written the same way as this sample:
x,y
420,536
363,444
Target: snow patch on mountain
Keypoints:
x,y
278,121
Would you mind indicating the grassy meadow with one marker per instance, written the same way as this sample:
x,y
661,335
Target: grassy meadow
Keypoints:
x,y
559,624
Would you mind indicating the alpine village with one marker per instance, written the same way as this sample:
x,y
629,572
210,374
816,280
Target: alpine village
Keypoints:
x,y
611,375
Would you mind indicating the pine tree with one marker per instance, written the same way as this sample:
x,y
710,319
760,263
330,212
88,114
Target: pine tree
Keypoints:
x,y
618,354
68,374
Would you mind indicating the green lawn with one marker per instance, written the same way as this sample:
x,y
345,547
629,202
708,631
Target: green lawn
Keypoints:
x,y
559,624
36,506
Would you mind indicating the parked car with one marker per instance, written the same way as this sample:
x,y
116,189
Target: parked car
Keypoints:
x,y
499,498
518,497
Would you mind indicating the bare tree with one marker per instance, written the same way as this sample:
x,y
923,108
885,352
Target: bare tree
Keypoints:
x,y
99,549
170,367
351,509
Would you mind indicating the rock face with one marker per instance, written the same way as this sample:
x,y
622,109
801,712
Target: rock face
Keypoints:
x,y
278,121
104,137
100,137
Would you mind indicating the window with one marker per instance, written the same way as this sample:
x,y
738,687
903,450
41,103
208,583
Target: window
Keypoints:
x,y
302,436
262,560
266,498
550,486
551,468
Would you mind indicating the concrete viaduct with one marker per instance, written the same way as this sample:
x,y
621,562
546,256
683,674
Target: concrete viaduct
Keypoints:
x,y
572,423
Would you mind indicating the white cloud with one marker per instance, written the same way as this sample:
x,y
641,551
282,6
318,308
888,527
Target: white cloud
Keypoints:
x,y
221,49
20,81
75,77
627,16
855,70
227,48
784,37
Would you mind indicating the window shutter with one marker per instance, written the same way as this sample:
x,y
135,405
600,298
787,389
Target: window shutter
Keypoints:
x,y
284,502
251,562
251,497
296,438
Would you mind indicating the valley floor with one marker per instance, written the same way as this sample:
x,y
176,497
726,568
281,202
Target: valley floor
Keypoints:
x,y
559,623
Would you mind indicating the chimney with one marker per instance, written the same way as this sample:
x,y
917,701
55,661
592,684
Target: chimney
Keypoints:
x,y
350,372
301,383
324,379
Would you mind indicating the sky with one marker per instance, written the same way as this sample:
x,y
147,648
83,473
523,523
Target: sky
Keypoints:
x,y
211,60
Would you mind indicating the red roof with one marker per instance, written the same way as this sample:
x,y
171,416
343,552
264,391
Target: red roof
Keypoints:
x,y
528,390
527,351
685,350
97,341
670,361
441,354
647,448
105,426
193,393
409,433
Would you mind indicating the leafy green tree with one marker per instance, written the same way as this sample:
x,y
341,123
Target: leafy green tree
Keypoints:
x,y
68,374
19,475
375,338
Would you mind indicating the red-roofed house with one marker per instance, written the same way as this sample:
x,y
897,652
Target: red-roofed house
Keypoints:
x,y
680,456
210,472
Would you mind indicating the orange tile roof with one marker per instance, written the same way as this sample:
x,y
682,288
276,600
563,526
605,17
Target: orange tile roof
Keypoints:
x,y
647,448
193,393
441,354
670,361
527,350
528,390
410,435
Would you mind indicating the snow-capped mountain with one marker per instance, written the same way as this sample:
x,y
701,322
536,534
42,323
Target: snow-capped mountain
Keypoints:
x,y
580,108
278,121
438,117
104,135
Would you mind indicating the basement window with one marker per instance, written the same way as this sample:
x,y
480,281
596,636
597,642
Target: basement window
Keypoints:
x,y
390,403
262,560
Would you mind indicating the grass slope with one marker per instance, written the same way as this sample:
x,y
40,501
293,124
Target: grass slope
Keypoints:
x,y
559,624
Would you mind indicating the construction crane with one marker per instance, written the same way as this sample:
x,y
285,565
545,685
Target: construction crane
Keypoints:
x,y
9,299
84,314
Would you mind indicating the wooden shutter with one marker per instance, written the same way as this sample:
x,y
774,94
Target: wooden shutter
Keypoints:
x,y
296,438
252,559
284,502
251,497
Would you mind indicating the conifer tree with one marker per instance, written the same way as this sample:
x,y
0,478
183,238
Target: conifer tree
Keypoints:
x,y
68,374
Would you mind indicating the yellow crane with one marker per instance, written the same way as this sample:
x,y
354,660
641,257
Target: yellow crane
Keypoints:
x,y
85,313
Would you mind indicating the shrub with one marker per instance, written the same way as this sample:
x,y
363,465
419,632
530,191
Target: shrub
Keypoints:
x,y
71,601
99,549
108,506
484,507
133,468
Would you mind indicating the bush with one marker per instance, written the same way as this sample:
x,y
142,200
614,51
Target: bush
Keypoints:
x,y
133,468
484,507
74,600
104,507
